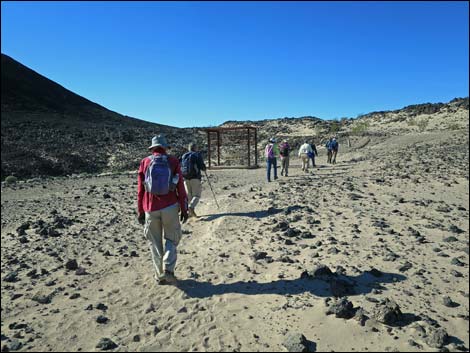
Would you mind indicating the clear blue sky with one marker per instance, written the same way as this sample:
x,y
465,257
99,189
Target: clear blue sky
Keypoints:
x,y
201,63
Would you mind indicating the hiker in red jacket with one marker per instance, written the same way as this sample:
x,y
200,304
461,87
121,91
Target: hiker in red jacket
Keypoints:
x,y
161,194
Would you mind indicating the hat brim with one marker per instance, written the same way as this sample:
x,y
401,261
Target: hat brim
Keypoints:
x,y
158,145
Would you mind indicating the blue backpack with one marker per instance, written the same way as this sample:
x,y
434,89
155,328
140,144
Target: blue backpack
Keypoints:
x,y
188,168
158,175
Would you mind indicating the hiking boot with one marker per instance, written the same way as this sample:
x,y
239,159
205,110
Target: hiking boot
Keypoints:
x,y
170,277
161,281
192,213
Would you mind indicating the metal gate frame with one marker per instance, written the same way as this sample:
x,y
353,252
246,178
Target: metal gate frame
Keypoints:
x,y
218,131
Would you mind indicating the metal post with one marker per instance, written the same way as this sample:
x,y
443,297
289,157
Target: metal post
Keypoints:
x,y
209,147
218,148
256,147
249,161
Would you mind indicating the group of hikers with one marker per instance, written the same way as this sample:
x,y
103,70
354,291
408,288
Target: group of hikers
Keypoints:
x,y
169,190
307,151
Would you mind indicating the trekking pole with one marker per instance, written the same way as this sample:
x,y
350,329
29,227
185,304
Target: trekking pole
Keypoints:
x,y
207,177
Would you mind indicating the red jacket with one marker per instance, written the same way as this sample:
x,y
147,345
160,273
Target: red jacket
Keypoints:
x,y
147,202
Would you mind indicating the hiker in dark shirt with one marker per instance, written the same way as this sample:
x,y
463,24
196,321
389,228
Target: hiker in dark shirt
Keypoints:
x,y
313,154
334,149
191,166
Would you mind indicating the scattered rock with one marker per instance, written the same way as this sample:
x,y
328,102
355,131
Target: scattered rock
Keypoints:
x,y
361,316
11,277
15,345
388,312
449,302
102,319
454,229
318,272
457,262
81,272
260,255
42,299
450,239
101,306
405,267
341,308
71,265
106,344
296,342
436,337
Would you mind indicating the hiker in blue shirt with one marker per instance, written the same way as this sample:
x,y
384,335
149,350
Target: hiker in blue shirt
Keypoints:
x,y
312,154
329,150
334,149
191,165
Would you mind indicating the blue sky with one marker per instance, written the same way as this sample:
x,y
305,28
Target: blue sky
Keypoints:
x,y
202,63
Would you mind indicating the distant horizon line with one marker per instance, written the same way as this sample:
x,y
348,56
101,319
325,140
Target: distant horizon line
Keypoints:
x,y
297,117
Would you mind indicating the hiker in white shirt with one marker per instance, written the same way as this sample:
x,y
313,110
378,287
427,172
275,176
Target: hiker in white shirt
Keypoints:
x,y
304,150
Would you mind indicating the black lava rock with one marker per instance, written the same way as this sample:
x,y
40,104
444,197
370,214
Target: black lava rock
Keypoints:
x,y
388,312
71,265
342,308
105,344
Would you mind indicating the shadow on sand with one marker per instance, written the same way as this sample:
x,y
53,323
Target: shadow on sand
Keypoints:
x,y
254,214
362,284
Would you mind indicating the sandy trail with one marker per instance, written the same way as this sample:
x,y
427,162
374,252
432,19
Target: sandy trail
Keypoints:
x,y
368,211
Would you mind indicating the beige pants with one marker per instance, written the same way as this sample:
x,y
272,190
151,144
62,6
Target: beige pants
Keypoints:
x,y
330,154
285,165
305,160
333,156
194,190
158,224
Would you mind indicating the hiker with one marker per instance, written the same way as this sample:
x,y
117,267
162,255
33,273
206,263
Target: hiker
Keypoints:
x,y
161,194
304,150
329,150
191,166
270,152
313,154
334,149
284,150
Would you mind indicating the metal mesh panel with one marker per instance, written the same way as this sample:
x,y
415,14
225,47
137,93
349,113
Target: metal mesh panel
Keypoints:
x,y
232,147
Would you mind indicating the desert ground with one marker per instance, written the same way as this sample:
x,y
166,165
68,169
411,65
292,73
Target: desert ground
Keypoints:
x,y
370,254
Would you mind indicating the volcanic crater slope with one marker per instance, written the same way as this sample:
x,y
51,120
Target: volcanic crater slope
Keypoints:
x,y
48,130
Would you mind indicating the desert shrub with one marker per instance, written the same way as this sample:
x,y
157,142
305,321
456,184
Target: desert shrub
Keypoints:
x,y
454,126
11,179
334,127
360,128
423,124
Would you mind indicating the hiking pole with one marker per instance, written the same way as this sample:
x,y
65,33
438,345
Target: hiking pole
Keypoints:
x,y
207,177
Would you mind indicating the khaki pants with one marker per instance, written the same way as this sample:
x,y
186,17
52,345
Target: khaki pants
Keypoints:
x,y
334,153
158,224
305,160
194,190
285,165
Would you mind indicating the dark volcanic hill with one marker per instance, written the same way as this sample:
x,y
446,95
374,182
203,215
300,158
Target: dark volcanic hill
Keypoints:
x,y
49,130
